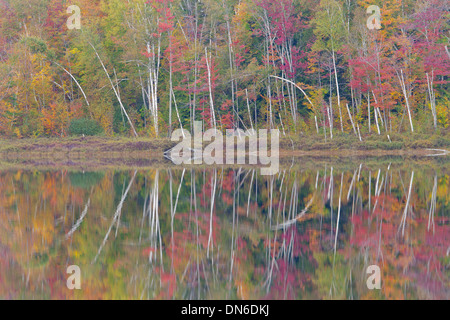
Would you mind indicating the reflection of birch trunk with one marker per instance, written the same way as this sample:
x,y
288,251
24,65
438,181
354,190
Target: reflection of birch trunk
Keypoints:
x,y
407,208
120,214
289,223
270,256
433,204
155,230
172,239
378,187
178,193
317,179
250,192
351,185
115,217
331,183
233,238
80,220
370,189
213,196
330,197
338,217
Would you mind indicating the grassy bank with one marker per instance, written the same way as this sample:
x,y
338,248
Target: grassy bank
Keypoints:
x,y
123,150
341,141
83,147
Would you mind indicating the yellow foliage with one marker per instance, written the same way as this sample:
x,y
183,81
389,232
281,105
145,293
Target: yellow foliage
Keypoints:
x,y
442,113
17,133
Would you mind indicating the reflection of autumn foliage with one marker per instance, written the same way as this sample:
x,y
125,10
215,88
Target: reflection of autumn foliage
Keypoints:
x,y
33,206
414,258
195,232
430,269
290,279
228,188
249,246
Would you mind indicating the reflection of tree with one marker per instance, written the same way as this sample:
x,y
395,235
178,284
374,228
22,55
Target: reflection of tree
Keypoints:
x,y
201,234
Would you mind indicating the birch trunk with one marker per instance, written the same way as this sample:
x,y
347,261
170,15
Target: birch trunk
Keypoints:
x,y
115,91
405,94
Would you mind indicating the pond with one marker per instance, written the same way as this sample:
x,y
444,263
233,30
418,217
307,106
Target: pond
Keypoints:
x,y
309,232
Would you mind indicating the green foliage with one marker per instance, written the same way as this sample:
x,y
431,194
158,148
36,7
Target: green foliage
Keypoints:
x,y
35,44
329,27
87,127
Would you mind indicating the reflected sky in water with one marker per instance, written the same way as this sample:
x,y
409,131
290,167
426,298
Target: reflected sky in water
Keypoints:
x,y
225,233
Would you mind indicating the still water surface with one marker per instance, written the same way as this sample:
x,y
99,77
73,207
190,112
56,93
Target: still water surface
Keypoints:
x,y
226,233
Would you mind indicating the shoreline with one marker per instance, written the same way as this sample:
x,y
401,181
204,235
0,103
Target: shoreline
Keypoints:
x,y
126,148
99,153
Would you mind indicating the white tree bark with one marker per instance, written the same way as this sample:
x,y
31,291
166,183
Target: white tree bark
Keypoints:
x,y
115,91
211,101
405,94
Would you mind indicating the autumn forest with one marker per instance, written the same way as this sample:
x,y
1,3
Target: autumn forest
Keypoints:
x,y
144,68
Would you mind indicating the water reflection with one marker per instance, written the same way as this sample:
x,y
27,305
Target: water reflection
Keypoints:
x,y
225,233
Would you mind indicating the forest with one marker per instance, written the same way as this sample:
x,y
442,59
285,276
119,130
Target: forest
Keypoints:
x,y
142,68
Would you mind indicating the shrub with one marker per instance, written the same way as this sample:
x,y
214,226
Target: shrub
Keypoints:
x,y
393,146
85,127
441,141
422,144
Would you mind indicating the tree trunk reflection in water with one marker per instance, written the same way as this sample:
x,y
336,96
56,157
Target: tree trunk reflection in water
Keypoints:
x,y
230,233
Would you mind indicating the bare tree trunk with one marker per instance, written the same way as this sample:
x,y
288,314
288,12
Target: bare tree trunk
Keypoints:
x,y
351,120
432,98
297,86
210,89
79,86
248,107
178,114
153,77
402,84
376,114
368,112
230,57
115,91
338,91
170,85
